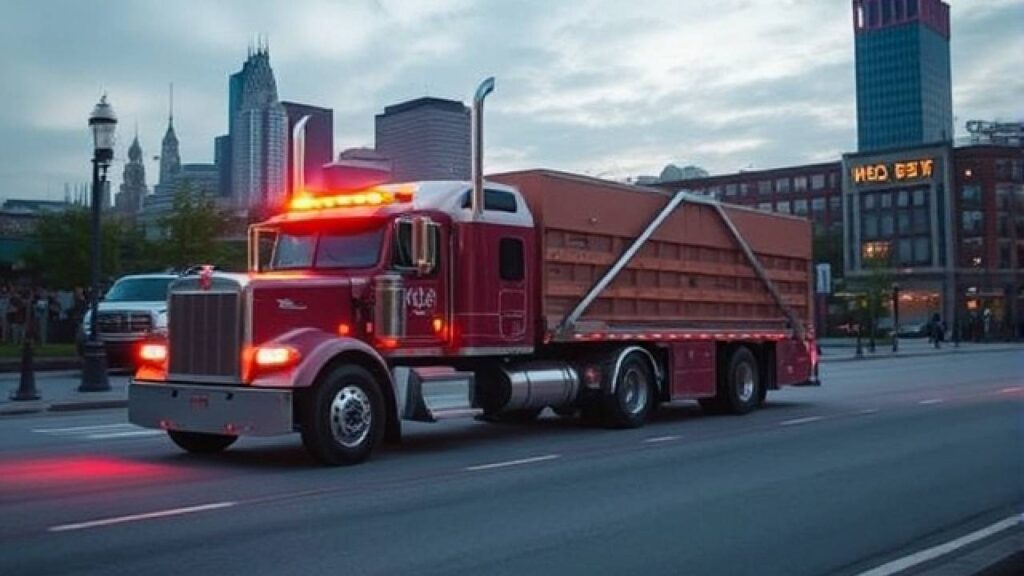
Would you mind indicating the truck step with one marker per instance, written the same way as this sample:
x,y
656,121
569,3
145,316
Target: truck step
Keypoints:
x,y
432,393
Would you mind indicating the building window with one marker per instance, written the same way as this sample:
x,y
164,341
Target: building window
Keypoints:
x,y
1004,253
744,188
715,192
887,224
782,185
817,181
835,204
783,207
869,226
922,250
877,251
920,199
730,189
868,201
903,198
818,208
971,222
800,183
766,206
970,195
833,180
1003,193
905,253
920,221
764,187
971,252
800,207
903,222
885,199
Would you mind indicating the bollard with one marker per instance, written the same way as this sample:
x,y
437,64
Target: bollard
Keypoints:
x,y
860,348
27,383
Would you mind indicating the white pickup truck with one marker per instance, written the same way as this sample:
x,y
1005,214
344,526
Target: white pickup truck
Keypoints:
x,y
134,308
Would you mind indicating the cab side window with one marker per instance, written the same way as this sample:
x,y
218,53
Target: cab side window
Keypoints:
x,y
401,251
510,260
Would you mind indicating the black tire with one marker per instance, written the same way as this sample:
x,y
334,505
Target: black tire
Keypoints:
x,y
634,397
346,392
740,386
200,443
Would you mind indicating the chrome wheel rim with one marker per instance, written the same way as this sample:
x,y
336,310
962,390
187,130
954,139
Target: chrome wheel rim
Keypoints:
x,y
351,416
635,391
745,382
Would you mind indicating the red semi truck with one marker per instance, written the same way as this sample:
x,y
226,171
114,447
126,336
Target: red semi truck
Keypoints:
x,y
496,299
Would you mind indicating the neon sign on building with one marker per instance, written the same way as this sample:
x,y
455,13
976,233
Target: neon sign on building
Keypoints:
x,y
893,171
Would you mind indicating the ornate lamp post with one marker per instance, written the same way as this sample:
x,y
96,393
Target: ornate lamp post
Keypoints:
x,y
102,121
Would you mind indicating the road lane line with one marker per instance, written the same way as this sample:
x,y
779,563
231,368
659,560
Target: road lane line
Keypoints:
x,y
512,463
797,421
657,439
932,401
81,428
129,434
867,411
901,564
138,517
1011,389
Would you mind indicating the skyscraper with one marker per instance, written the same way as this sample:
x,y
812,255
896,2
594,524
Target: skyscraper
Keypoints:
x,y
133,181
258,136
426,139
904,87
170,160
319,141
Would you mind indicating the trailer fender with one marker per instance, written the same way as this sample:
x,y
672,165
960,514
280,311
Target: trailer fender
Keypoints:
x,y
620,357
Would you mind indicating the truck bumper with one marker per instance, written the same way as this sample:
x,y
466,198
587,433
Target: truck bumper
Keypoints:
x,y
232,410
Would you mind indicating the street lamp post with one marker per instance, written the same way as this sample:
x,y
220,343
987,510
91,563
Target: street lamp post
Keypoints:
x,y
102,121
895,317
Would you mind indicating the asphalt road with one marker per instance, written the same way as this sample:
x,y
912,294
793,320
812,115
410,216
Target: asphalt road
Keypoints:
x,y
889,457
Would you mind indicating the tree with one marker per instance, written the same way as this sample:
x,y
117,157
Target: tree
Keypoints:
x,y
191,230
60,255
877,288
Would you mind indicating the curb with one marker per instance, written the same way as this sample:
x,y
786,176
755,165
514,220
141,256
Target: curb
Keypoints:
x,y
87,405
826,360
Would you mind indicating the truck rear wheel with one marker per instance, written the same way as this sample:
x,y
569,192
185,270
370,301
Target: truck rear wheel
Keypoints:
x,y
741,390
200,443
343,417
633,399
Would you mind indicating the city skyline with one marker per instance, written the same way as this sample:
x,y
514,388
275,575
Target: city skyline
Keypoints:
x,y
596,90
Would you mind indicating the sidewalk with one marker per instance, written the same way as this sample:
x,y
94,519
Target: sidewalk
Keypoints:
x,y
844,349
58,391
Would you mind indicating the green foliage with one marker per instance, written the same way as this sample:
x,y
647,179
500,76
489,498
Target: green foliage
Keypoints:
x,y
191,230
62,243
828,247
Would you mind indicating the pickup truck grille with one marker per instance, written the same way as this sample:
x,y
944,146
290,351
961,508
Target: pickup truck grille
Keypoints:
x,y
124,322
205,332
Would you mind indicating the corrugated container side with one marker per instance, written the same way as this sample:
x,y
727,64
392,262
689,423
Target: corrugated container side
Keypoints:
x,y
690,274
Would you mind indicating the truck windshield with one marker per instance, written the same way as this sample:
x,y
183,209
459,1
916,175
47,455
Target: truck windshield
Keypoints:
x,y
294,251
138,290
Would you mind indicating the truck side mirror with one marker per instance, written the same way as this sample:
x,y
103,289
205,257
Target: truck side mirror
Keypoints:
x,y
424,248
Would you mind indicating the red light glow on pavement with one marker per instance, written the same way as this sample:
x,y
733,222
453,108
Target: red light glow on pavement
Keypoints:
x,y
32,472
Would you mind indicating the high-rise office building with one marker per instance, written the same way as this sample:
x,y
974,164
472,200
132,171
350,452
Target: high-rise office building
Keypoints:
x,y
170,160
904,86
426,139
259,136
319,142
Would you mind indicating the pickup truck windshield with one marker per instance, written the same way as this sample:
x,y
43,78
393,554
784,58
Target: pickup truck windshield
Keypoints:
x,y
327,250
139,290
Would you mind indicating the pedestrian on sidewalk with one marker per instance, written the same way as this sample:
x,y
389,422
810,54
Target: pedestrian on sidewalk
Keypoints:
x,y
17,311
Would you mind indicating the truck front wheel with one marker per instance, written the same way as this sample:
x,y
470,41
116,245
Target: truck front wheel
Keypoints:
x,y
200,443
343,417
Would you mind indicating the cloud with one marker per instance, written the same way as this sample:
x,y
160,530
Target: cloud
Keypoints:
x,y
603,86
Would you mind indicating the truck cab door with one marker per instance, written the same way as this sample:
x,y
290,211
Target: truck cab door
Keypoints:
x,y
426,306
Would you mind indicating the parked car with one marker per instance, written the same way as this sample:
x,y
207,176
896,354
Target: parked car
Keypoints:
x,y
913,330
134,308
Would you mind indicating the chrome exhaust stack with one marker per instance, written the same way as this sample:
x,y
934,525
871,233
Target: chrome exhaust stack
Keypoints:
x,y
299,156
485,88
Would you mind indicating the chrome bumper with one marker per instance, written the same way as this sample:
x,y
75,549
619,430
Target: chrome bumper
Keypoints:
x,y
231,410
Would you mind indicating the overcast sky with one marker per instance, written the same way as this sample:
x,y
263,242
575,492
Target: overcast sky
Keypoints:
x,y
613,88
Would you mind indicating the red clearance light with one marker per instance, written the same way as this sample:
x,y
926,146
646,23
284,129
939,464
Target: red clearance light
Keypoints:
x,y
344,329
305,202
153,353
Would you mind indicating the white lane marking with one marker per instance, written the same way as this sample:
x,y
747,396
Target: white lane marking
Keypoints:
x,y
657,439
138,517
932,401
867,411
901,564
512,463
796,421
129,434
75,429
1011,389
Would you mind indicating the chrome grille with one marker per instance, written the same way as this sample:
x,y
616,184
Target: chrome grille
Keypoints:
x,y
205,332
123,322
